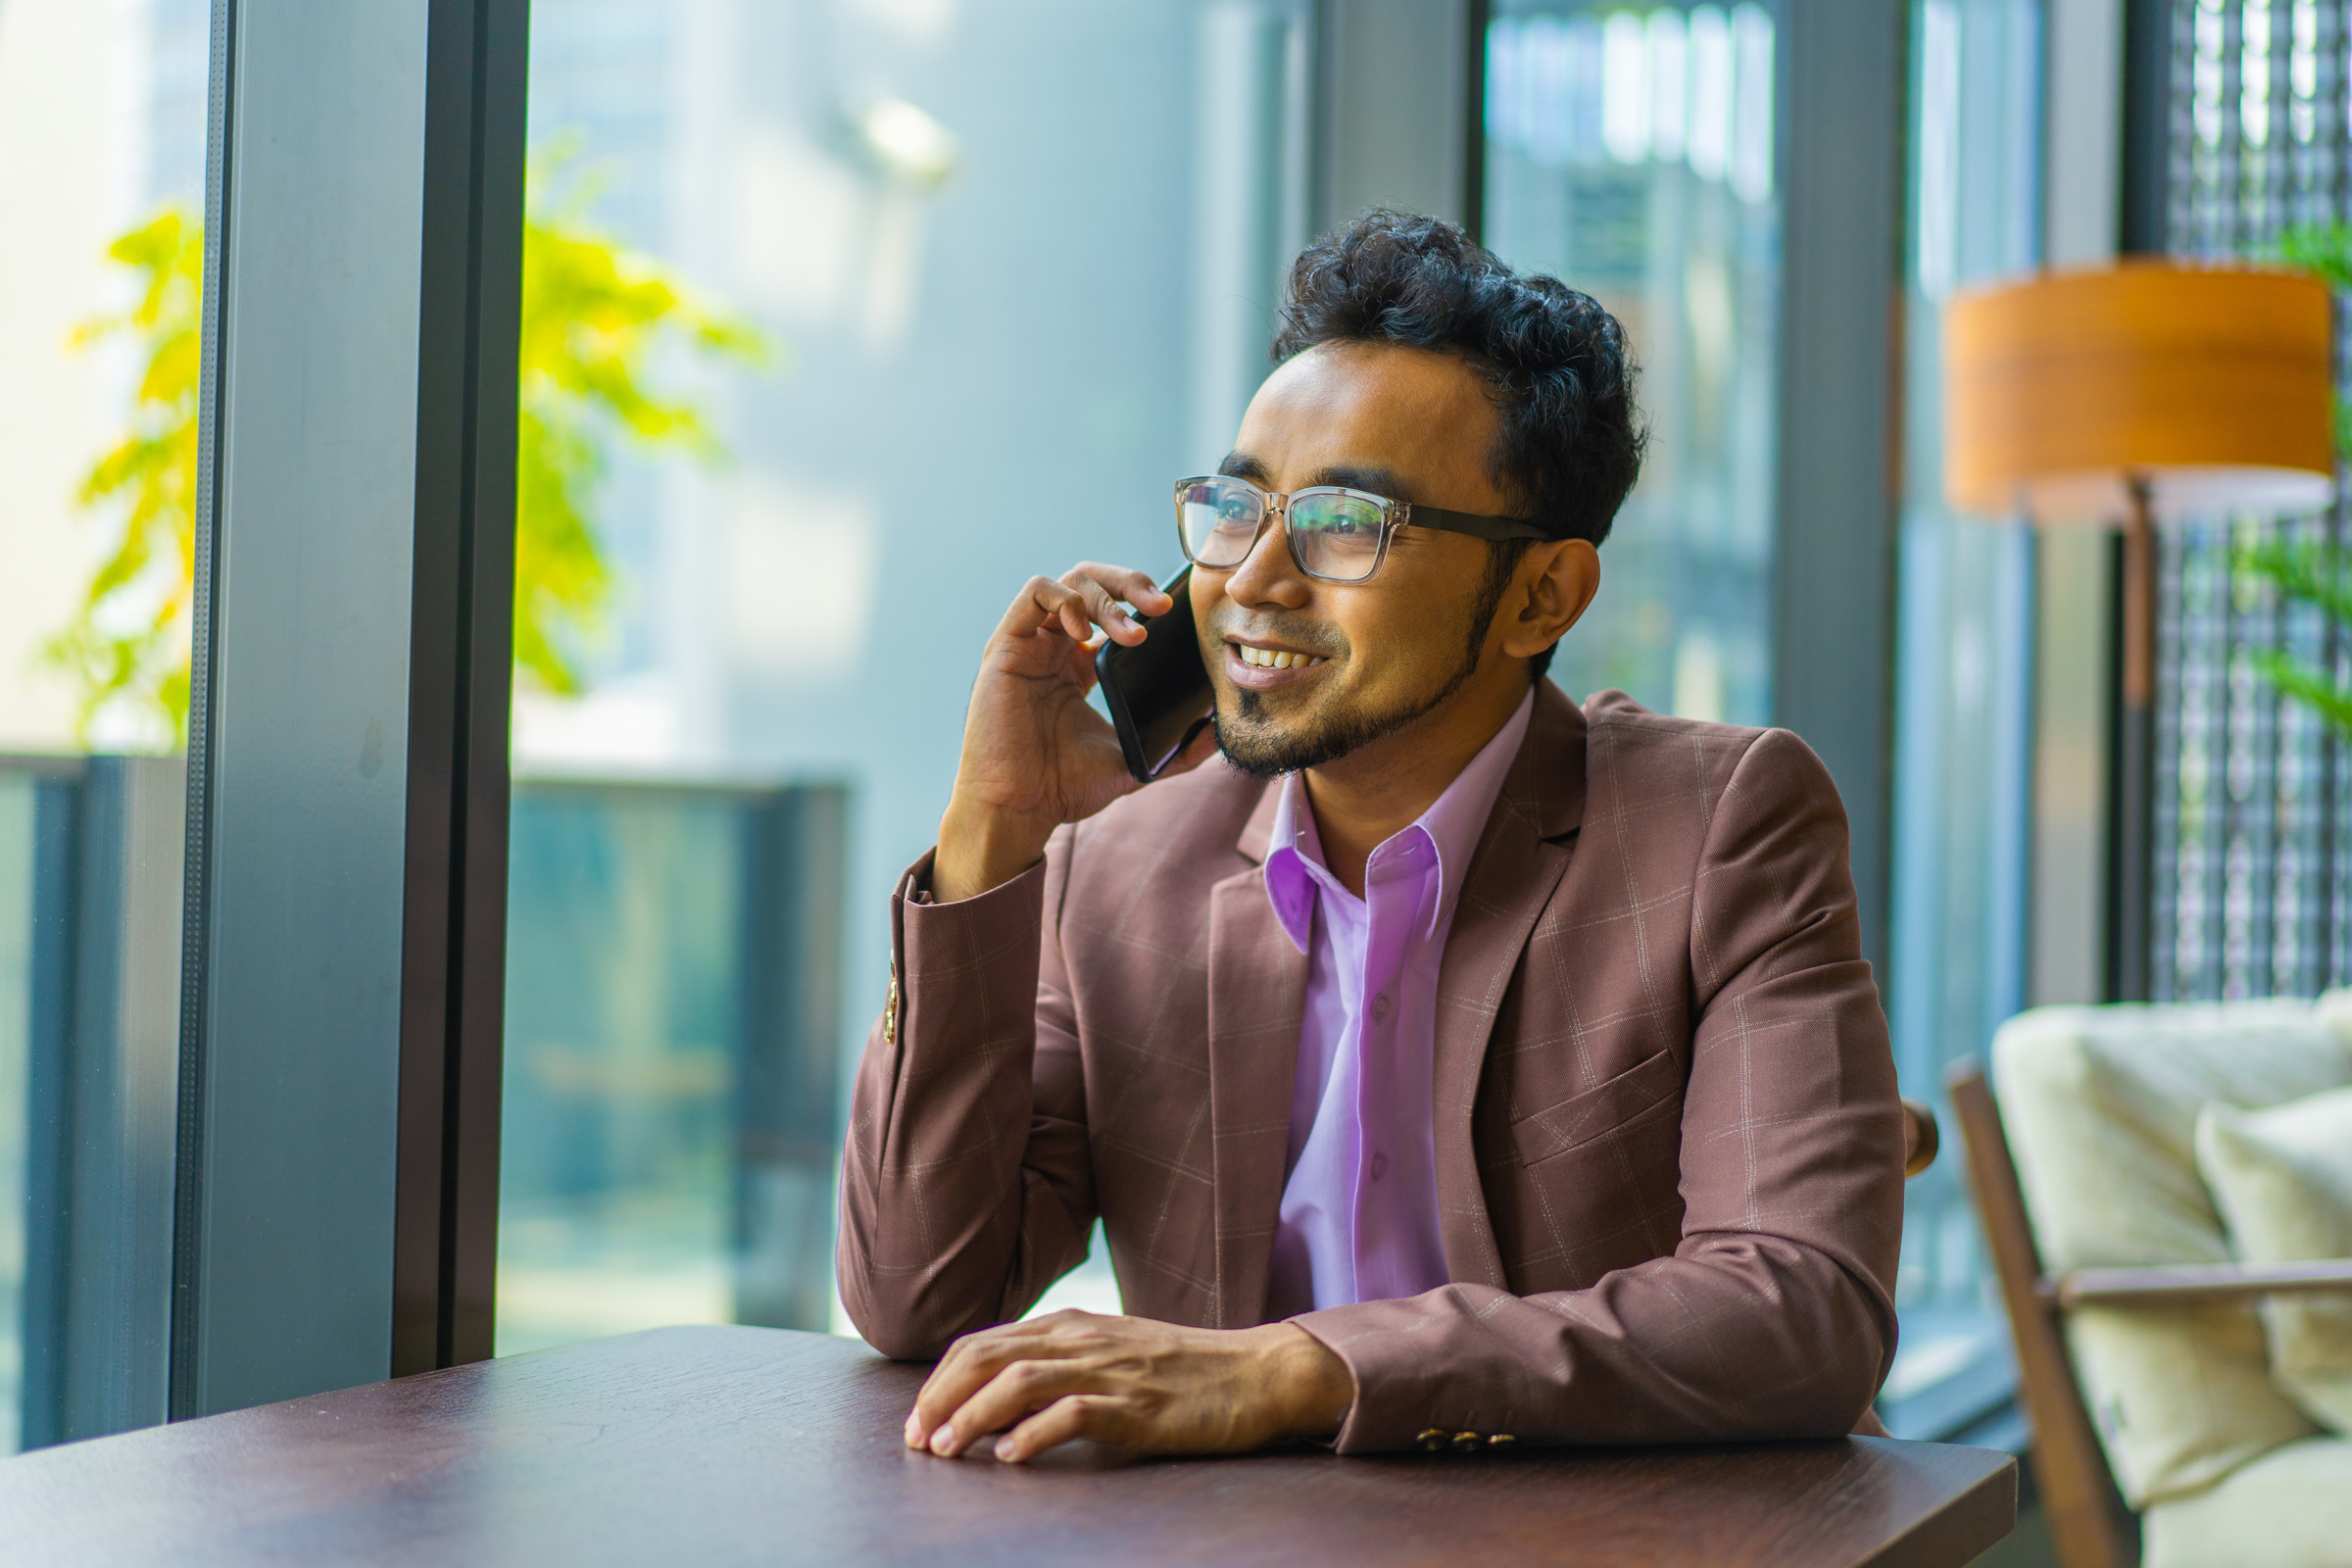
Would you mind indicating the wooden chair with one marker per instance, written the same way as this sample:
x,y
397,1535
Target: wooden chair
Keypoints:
x,y
2090,1524
1920,1138
1920,1141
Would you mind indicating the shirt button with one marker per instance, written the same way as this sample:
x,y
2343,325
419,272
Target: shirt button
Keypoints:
x,y
1380,1164
1380,1006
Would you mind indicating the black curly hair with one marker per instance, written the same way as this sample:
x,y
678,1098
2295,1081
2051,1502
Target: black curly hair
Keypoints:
x,y
1554,362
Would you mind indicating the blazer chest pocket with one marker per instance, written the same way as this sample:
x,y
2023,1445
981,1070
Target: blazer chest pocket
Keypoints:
x,y
1584,1117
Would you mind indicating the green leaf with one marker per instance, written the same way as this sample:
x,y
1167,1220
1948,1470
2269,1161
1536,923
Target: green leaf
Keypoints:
x,y
596,315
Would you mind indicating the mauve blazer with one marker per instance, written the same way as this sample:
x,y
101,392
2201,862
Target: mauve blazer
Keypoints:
x,y
1669,1150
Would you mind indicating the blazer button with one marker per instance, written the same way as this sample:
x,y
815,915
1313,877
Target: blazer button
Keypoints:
x,y
1464,1442
1432,1439
890,1013
1500,1440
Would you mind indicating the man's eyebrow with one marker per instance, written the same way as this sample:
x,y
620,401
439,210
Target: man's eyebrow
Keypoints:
x,y
1379,481
1347,476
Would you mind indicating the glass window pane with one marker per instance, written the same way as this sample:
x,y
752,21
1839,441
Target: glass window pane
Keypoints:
x,y
1628,152
1964,709
102,127
946,320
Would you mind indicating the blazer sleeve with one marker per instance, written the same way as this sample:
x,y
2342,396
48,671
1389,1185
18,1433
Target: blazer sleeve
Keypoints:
x,y
1774,1316
967,1187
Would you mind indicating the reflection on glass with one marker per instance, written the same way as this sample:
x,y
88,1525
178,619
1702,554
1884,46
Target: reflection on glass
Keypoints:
x,y
102,124
1630,153
971,238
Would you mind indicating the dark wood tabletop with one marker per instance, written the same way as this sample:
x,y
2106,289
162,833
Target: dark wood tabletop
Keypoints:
x,y
714,1445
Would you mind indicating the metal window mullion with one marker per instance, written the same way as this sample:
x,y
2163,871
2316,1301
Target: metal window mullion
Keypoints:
x,y
454,936
188,1155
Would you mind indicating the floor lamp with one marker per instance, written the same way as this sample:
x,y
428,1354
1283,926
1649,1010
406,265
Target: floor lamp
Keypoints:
x,y
2139,394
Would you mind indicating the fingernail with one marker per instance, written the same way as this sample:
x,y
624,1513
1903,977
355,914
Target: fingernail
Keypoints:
x,y
914,1430
943,1440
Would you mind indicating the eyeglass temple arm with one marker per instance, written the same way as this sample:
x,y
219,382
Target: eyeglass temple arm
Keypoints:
x,y
1477,527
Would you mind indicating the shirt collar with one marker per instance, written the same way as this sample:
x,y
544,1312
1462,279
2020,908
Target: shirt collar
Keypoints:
x,y
1452,824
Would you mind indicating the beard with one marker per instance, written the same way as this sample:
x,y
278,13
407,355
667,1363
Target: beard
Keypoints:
x,y
1264,748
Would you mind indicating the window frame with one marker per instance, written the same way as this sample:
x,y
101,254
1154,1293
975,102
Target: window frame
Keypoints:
x,y
336,1212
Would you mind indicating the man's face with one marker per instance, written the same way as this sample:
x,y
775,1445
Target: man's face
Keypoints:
x,y
1364,659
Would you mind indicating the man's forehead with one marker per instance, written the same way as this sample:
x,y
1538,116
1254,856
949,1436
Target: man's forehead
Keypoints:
x,y
1350,378
1366,410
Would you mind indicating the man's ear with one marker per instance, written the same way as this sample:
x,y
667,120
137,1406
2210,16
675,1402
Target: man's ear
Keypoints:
x,y
1558,580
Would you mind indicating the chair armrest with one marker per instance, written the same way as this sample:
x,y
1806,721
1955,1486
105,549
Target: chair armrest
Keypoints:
x,y
1920,1138
2192,1282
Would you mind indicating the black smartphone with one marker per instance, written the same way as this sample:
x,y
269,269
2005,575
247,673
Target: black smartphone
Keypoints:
x,y
1158,692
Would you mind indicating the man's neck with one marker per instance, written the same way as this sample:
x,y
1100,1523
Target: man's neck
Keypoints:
x,y
1377,791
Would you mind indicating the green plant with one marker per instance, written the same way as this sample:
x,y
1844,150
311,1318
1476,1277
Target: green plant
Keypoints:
x,y
594,318
126,647
2313,574
2305,572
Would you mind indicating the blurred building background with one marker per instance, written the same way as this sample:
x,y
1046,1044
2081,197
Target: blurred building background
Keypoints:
x,y
1018,264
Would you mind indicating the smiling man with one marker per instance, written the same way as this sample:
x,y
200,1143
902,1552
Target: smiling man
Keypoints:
x,y
1449,1063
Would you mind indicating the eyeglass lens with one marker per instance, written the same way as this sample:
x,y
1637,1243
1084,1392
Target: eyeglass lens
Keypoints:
x,y
1333,536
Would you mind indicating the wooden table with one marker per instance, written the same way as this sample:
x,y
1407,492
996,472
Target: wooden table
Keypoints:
x,y
712,1445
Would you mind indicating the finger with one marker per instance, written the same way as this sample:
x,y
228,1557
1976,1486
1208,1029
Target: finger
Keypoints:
x,y
1013,1393
968,1365
1105,610
1136,587
956,1376
1038,604
1045,604
1065,1420
1082,668
970,1362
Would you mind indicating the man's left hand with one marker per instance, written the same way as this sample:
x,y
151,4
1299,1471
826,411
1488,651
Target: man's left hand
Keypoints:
x,y
1153,1387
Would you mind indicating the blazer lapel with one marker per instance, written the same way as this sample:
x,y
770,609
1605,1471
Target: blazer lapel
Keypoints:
x,y
1521,858
1256,1005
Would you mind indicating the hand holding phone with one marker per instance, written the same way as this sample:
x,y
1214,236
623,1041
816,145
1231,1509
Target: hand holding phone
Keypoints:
x,y
1036,753
1158,692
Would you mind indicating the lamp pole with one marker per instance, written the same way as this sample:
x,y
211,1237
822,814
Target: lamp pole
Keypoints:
x,y
2135,746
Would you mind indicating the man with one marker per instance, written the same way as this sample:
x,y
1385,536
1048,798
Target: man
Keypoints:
x,y
1447,1063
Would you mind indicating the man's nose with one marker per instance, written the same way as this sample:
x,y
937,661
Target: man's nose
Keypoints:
x,y
1267,575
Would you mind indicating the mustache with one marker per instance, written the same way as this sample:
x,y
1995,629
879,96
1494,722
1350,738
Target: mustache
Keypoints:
x,y
1288,627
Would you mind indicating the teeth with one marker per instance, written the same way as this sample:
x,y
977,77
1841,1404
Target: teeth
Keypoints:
x,y
1273,659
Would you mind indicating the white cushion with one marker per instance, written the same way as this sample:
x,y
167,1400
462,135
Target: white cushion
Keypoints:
x,y
2290,1509
2100,1105
2283,1180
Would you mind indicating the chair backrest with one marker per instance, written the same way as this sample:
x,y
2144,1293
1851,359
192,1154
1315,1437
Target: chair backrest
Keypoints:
x,y
2086,1514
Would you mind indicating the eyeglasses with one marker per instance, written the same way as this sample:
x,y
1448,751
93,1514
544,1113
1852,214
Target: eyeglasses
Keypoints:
x,y
1334,533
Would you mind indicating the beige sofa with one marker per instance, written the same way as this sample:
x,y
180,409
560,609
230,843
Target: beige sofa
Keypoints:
x,y
2127,1287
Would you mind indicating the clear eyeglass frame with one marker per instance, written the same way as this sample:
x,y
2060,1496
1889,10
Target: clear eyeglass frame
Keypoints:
x,y
1328,553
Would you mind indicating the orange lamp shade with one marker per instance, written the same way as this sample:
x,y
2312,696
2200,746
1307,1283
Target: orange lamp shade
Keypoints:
x,y
2209,384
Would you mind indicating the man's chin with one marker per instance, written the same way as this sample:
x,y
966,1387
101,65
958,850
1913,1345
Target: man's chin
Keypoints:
x,y
1263,745
1267,734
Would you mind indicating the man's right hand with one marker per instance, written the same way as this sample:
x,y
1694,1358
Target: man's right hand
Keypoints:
x,y
1035,753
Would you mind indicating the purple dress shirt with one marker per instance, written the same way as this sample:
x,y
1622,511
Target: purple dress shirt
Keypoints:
x,y
1360,1200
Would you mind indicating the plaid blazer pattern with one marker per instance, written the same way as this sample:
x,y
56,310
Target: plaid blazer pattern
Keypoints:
x,y
1668,1141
